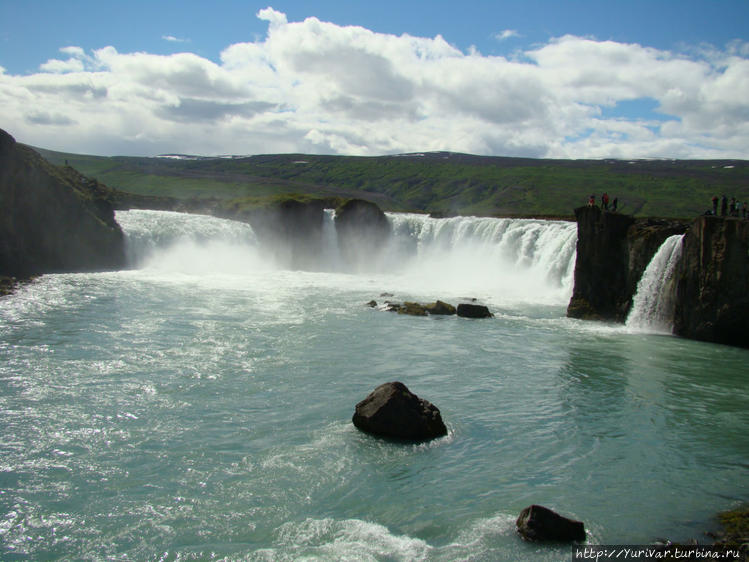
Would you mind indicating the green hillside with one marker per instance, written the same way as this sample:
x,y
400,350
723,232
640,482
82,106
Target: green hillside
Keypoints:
x,y
441,182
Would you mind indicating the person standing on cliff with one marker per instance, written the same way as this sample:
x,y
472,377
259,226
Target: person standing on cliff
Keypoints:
x,y
614,204
605,201
592,201
715,205
723,206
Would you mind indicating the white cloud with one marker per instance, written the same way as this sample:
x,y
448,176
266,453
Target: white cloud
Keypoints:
x,y
173,39
506,34
314,86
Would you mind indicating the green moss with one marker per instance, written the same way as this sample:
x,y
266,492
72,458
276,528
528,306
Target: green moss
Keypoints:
x,y
735,526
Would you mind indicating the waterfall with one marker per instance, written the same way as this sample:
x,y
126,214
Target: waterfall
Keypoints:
x,y
653,303
187,243
514,259
519,260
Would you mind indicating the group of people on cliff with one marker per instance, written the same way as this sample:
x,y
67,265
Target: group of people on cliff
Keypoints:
x,y
604,202
731,209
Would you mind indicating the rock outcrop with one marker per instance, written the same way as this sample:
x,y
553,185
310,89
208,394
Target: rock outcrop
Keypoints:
x,y
53,219
712,290
363,230
292,229
711,279
440,308
393,411
539,523
613,251
466,310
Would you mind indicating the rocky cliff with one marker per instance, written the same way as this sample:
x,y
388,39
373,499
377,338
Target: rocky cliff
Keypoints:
x,y
52,219
362,230
712,290
613,251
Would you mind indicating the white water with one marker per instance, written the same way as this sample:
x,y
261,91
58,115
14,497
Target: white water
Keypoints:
x,y
508,260
653,304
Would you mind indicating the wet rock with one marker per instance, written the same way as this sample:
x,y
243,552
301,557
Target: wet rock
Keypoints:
x,y
391,410
539,523
467,310
372,304
391,306
412,309
440,308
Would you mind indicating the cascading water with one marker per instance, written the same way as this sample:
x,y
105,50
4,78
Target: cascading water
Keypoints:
x,y
512,259
185,243
507,260
653,304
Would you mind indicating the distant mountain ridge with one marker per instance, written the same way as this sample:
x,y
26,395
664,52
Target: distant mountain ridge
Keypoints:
x,y
443,183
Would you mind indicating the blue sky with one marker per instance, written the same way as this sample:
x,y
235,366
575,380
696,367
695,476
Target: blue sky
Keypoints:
x,y
532,78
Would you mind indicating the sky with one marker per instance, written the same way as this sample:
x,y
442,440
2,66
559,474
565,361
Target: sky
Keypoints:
x,y
533,78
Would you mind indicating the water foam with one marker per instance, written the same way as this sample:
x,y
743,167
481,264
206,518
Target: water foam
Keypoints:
x,y
507,260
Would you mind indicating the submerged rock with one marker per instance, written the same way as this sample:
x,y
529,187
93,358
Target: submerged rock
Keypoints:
x,y
391,410
466,310
539,523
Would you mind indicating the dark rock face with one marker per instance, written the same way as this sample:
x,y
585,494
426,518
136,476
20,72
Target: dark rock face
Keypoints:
x,y
53,219
613,252
712,291
466,310
363,230
600,291
291,229
391,410
538,523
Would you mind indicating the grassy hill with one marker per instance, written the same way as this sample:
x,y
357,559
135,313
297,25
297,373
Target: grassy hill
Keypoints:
x,y
438,182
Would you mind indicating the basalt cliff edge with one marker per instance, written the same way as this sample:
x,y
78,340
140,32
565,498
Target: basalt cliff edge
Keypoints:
x,y
711,280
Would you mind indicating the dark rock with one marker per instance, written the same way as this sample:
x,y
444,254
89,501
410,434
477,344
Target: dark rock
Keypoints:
x,y
440,308
363,231
538,523
372,304
292,229
391,410
412,309
466,310
712,288
386,294
53,219
601,265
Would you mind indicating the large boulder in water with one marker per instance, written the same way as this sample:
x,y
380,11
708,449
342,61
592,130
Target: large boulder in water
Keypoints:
x,y
467,310
539,523
391,410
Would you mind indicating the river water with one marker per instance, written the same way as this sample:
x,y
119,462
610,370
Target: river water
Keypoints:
x,y
198,405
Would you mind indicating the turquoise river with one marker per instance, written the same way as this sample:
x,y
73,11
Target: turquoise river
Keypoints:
x,y
197,406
